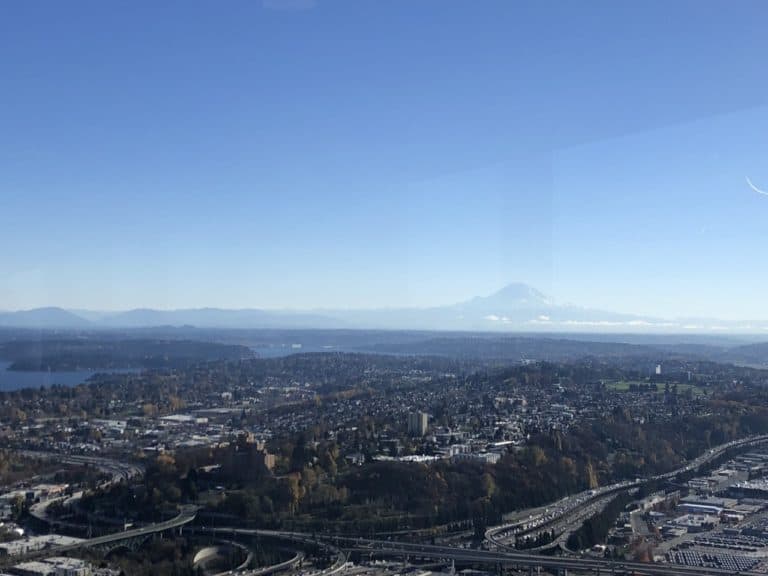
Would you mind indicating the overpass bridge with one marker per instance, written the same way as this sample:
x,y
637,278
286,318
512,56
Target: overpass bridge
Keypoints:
x,y
337,566
520,561
504,556
129,538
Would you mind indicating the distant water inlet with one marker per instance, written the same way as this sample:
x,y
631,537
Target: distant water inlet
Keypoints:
x,y
16,380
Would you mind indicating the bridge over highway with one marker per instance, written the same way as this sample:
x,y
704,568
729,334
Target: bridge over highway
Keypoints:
x,y
293,537
508,560
504,555
109,541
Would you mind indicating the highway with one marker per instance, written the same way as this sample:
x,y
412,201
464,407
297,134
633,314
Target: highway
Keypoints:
x,y
119,471
509,559
300,537
288,564
560,513
185,516
521,559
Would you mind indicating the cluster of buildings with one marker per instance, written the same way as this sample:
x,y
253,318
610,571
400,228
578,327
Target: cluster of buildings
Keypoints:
x,y
434,413
12,500
26,544
58,566
17,542
717,520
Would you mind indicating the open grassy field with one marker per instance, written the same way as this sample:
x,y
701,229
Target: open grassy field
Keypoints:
x,y
623,386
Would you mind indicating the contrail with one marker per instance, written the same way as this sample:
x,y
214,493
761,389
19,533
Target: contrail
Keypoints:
x,y
755,188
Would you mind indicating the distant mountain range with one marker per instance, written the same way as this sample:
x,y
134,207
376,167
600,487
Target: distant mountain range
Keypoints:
x,y
516,307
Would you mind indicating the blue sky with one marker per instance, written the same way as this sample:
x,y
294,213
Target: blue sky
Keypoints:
x,y
353,153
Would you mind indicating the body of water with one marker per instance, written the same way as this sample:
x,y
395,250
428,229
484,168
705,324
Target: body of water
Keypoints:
x,y
15,380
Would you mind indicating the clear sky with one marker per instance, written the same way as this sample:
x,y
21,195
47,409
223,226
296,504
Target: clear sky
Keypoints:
x,y
352,153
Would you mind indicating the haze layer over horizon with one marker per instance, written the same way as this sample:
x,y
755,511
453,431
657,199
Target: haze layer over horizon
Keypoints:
x,y
363,155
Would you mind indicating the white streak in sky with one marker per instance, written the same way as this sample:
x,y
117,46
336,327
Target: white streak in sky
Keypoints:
x,y
755,188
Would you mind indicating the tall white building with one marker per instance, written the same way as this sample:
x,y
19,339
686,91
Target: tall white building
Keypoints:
x,y
418,423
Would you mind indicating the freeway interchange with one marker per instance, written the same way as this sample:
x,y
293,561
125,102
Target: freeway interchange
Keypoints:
x,y
568,513
118,472
564,515
520,560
